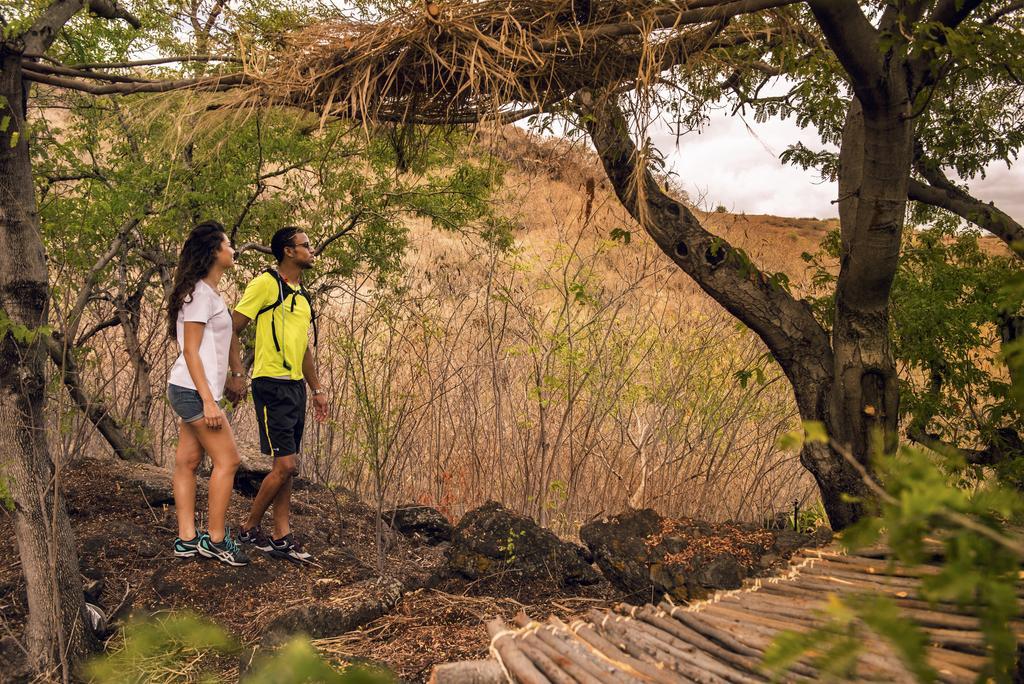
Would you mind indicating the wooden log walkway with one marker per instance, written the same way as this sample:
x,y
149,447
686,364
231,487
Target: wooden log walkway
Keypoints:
x,y
723,639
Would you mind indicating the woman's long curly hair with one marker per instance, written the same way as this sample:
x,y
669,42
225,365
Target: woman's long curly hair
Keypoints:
x,y
197,257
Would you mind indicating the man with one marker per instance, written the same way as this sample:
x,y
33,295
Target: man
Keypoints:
x,y
283,314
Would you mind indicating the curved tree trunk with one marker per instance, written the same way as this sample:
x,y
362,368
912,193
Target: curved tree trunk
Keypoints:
x,y
56,633
825,383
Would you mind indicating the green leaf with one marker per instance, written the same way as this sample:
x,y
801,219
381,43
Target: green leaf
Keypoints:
x,y
815,432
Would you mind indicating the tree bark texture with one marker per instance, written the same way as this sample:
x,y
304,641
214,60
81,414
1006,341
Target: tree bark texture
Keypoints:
x,y
56,633
786,325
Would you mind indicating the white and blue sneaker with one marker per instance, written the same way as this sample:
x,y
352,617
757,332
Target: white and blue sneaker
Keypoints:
x,y
186,548
226,551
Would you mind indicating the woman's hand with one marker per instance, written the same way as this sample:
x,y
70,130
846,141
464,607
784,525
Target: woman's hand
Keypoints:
x,y
212,415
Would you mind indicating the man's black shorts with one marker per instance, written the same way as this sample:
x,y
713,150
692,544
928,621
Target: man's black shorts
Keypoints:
x,y
280,414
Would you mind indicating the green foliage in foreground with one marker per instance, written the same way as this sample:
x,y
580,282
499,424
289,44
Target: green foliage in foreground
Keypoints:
x,y
960,379
183,647
921,506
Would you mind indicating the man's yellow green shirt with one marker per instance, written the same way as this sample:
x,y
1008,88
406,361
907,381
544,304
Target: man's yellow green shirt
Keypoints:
x,y
292,319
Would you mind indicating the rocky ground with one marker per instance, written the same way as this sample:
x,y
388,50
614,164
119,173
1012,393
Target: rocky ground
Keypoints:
x,y
440,582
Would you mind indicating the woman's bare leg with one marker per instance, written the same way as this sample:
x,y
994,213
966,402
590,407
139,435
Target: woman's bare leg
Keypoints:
x,y
220,445
186,460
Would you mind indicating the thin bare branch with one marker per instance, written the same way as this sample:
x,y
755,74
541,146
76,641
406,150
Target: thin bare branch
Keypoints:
x,y
349,227
207,84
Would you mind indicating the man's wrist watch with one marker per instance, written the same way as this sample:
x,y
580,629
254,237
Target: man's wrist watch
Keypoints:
x,y
236,374
317,392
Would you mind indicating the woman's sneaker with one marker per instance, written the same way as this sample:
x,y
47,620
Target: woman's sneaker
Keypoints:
x,y
226,551
255,536
287,547
186,548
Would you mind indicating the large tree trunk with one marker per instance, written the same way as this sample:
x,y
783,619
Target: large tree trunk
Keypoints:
x,y
56,633
835,389
874,170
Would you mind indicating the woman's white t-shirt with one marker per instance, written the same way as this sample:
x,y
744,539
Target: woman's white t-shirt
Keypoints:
x,y
207,307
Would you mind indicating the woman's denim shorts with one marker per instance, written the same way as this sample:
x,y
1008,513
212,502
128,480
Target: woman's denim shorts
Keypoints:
x,y
186,403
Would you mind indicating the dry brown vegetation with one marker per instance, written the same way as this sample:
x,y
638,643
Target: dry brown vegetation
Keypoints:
x,y
572,375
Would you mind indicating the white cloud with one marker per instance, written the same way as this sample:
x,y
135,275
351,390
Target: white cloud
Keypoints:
x,y
730,164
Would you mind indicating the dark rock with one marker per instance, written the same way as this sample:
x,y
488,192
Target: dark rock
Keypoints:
x,y
788,541
492,539
320,620
420,521
619,549
254,466
648,556
821,536
721,572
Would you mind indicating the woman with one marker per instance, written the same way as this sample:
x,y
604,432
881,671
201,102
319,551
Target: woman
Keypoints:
x,y
201,322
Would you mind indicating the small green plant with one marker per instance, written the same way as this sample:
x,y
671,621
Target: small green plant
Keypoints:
x,y
720,209
509,546
917,500
181,647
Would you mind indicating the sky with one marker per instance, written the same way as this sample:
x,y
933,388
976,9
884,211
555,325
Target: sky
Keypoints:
x,y
726,164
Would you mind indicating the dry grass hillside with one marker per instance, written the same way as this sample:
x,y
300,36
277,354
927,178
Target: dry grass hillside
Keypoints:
x,y
570,376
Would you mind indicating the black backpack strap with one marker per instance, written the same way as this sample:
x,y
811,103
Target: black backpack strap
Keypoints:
x,y
312,312
280,300
271,307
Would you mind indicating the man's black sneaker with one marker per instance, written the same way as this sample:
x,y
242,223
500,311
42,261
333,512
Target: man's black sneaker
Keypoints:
x,y
186,548
226,551
288,547
255,536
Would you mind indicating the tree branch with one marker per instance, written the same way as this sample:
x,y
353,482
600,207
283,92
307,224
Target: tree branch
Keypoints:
x,y
40,36
253,247
352,221
999,14
93,276
670,18
38,67
787,325
855,42
96,329
941,192
951,13
208,84
135,63
1006,444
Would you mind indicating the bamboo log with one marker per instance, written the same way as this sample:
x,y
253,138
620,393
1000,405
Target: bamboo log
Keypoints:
x,y
694,655
517,664
468,672
874,566
922,616
723,638
805,615
909,583
680,660
871,664
743,663
564,661
568,647
967,642
543,663
561,636
623,660
636,644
